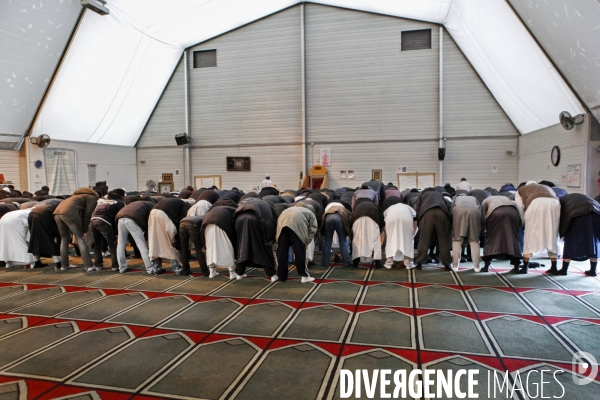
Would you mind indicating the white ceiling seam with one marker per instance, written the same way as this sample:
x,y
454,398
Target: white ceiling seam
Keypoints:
x,y
119,64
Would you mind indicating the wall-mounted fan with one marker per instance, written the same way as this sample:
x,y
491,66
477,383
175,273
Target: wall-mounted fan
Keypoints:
x,y
151,185
41,141
568,122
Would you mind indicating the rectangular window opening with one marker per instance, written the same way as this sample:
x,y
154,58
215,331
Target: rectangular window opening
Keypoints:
x,y
205,59
416,40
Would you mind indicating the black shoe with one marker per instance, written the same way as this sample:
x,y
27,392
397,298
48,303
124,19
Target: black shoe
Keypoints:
x,y
183,272
419,267
337,258
447,268
311,264
469,259
463,260
58,266
39,264
591,273
552,270
523,271
485,269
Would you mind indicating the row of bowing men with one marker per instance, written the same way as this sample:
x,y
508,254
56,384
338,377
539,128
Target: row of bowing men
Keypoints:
x,y
235,230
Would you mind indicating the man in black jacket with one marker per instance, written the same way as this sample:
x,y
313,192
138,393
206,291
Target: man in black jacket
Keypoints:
x,y
103,226
220,238
133,220
433,216
255,223
44,238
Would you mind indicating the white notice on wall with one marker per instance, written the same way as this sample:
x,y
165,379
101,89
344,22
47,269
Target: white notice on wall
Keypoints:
x,y
574,176
494,169
343,174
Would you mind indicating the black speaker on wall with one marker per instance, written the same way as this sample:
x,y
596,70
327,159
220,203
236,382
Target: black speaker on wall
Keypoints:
x,y
441,153
182,138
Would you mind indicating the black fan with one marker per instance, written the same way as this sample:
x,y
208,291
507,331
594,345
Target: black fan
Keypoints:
x,y
41,141
568,122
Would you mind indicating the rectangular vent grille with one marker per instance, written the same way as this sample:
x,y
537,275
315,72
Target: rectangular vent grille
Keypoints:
x,y
205,59
416,40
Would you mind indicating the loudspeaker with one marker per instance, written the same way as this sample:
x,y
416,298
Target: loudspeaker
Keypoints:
x,y
182,138
441,153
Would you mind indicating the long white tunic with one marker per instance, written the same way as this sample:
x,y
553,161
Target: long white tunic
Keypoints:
x,y
14,237
219,250
161,233
542,219
367,240
400,231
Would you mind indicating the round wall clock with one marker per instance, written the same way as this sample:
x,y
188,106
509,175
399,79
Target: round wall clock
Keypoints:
x,y
555,156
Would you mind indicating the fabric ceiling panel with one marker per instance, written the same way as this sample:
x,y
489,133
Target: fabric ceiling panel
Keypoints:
x,y
33,35
570,32
119,64
513,67
109,83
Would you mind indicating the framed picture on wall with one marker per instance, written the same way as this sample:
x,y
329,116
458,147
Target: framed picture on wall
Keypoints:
x,y
376,175
165,187
238,164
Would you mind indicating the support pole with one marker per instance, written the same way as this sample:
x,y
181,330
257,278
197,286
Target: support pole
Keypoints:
x,y
186,88
441,101
303,76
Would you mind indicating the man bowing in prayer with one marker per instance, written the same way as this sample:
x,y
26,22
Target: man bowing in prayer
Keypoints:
x,y
580,228
542,217
296,228
433,217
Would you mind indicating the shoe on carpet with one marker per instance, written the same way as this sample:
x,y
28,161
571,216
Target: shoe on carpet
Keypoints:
x,y
419,267
92,269
38,264
240,277
485,269
306,279
213,273
591,273
274,278
115,269
448,268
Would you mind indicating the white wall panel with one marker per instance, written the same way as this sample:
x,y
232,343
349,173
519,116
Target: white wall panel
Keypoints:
x,y
359,83
469,107
283,163
152,162
473,159
115,164
168,117
9,167
253,95
535,149
364,157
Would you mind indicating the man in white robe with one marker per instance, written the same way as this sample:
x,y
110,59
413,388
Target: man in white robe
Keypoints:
x,y
14,238
367,221
400,229
220,239
542,219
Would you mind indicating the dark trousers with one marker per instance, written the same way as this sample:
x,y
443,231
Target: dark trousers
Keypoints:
x,y
101,230
240,268
65,228
335,224
514,261
287,239
191,231
435,221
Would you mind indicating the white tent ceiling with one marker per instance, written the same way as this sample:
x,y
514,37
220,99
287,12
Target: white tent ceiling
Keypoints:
x,y
118,65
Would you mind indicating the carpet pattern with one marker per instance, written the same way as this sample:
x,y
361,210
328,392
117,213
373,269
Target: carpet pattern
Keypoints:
x,y
77,335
